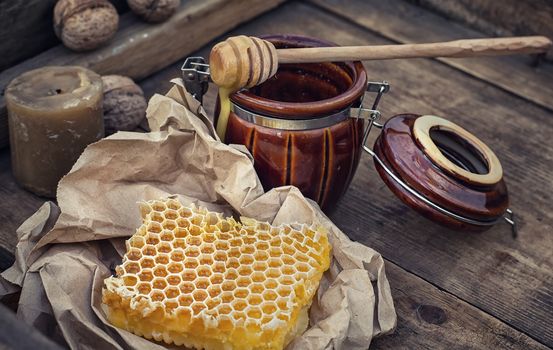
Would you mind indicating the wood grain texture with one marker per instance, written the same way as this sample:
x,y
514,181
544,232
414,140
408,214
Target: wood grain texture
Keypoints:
x,y
16,205
15,334
27,28
402,22
507,17
25,32
145,48
429,318
455,48
242,61
510,279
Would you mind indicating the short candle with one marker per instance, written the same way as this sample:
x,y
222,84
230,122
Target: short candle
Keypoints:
x,y
53,114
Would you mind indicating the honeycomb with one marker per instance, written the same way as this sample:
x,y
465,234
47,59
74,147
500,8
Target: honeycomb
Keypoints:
x,y
192,277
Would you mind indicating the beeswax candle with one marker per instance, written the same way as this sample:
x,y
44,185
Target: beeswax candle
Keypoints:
x,y
53,113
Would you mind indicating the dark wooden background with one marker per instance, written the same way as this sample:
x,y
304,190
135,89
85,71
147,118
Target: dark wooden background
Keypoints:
x,y
451,289
26,28
498,18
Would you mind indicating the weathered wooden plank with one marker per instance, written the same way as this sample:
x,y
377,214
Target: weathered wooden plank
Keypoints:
x,y
403,22
25,33
27,28
430,319
16,205
509,279
139,48
507,17
143,49
14,334
426,316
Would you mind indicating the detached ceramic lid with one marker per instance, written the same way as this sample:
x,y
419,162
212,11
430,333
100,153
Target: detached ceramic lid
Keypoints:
x,y
442,171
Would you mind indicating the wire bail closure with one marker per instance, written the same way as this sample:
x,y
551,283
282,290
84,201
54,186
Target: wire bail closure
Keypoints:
x,y
196,77
372,116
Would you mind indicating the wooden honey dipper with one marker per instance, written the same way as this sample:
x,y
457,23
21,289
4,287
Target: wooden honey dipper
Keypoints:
x,y
243,61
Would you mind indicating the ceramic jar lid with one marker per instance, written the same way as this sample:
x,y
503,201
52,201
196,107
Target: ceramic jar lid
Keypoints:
x,y
442,171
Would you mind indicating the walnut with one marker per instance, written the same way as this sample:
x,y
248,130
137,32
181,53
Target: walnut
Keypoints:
x,y
124,104
85,24
154,10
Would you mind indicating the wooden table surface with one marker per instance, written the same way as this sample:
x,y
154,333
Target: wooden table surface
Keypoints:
x,y
451,289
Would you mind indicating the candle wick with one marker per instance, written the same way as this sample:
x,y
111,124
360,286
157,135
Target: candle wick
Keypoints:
x,y
54,92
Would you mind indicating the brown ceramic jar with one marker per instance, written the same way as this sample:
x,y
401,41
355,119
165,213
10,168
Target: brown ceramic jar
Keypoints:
x,y
297,124
446,165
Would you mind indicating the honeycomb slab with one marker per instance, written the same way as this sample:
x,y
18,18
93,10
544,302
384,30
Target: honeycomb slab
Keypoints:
x,y
192,277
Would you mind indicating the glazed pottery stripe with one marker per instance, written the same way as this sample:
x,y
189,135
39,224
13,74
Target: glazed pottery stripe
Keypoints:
x,y
250,138
288,159
326,168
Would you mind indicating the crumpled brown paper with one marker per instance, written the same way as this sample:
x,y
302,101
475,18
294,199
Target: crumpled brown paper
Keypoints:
x,y
60,270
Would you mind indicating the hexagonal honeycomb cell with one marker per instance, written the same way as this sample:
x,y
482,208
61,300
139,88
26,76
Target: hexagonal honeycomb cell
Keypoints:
x,y
192,277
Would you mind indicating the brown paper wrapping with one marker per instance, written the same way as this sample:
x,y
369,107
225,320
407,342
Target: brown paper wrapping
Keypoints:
x,y
65,253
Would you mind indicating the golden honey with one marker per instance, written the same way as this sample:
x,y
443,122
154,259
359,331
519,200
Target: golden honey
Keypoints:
x,y
192,277
224,111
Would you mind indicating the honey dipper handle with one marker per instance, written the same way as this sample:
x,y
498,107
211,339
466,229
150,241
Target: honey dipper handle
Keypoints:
x,y
456,48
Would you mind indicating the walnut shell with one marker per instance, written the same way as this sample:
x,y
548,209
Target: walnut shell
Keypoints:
x,y
85,24
154,10
124,104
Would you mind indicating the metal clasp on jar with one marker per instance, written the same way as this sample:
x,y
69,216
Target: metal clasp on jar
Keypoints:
x,y
196,77
372,116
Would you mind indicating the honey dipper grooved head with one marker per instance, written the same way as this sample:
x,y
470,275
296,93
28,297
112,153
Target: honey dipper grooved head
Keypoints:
x,y
242,61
